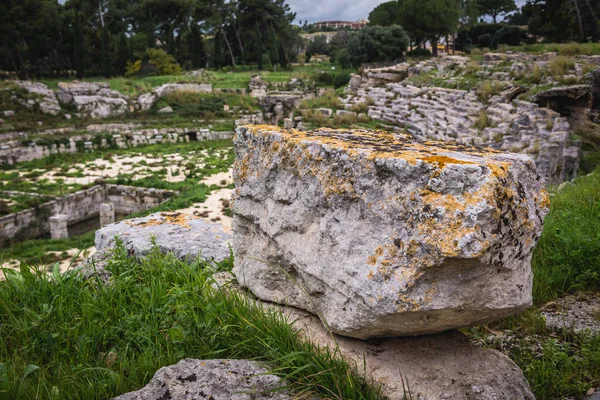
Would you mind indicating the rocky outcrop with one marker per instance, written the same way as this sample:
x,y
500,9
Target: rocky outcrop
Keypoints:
x,y
257,87
441,366
581,103
212,379
459,116
38,96
93,99
381,235
147,100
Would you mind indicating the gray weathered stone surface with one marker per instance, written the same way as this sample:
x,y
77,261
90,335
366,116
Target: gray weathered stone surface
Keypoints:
x,y
577,313
381,235
184,235
95,99
147,100
440,366
43,97
191,379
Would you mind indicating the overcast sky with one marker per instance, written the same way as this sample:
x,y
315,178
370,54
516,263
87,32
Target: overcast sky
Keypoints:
x,y
346,10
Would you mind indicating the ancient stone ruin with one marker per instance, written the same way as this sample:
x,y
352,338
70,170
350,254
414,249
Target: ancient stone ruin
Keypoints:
x,y
381,235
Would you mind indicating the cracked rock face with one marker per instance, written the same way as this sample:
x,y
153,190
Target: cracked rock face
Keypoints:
x,y
381,235
191,379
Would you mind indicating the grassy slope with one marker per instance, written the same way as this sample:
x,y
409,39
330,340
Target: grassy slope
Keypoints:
x,y
219,79
68,338
566,260
567,257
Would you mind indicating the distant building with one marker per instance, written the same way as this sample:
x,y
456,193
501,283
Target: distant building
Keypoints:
x,y
341,24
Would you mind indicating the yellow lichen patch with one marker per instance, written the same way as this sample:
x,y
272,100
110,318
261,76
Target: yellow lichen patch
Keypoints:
x,y
499,169
441,161
168,218
407,304
544,199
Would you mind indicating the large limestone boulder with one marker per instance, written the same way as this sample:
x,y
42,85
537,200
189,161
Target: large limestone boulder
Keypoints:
x,y
380,235
191,379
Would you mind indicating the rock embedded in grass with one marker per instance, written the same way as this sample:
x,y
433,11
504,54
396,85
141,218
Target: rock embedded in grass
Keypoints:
x,y
186,236
381,235
211,379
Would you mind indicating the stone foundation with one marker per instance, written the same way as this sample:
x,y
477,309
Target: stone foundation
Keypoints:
x,y
77,207
12,152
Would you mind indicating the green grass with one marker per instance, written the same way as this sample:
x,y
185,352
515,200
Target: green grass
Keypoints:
x,y
220,79
37,251
562,49
567,257
556,366
64,337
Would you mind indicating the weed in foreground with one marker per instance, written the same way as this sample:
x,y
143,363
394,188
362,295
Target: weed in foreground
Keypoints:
x,y
70,338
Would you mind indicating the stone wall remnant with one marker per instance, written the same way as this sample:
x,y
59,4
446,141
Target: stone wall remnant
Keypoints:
x,y
147,100
79,206
59,226
107,214
381,235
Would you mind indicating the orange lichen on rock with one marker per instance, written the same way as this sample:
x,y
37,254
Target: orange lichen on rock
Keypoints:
x,y
173,218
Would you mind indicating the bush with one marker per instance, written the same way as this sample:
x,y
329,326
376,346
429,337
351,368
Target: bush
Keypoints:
x,y
335,79
419,52
510,35
486,40
559,66
376,44
341,79
158,62
165,63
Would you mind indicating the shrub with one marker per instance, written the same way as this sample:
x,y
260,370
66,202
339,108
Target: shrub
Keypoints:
x,y
487,90
158,62
419,52
164,62
536,74
376,44
341,79
559,66
133,69
483,121
486,40
510,35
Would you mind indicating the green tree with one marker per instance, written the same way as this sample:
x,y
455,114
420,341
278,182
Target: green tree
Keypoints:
x,y
318,45
430,19
196,47
495,8
376,44
385,14
30,36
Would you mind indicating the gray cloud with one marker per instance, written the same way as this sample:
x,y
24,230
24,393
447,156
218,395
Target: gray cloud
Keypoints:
x,y
323,10
347,10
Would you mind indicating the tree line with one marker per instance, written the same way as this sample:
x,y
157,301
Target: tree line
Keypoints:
x,y
99,37
549,20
